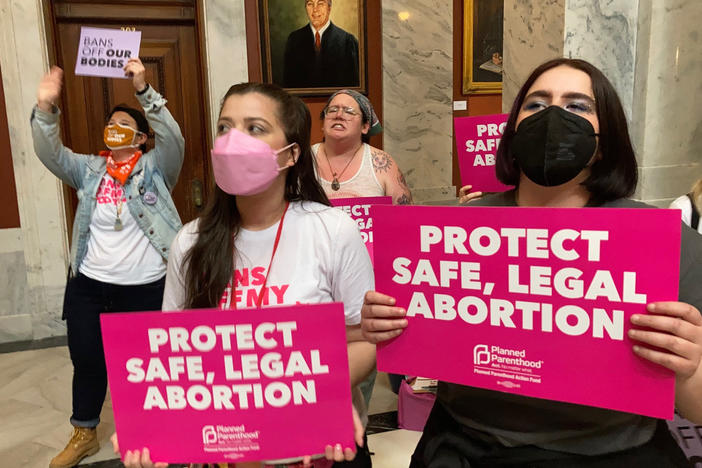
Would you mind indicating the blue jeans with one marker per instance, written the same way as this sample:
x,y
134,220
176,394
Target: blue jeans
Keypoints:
x,y
85,299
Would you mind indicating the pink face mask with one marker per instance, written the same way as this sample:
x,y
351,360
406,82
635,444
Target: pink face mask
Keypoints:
x,y
244,165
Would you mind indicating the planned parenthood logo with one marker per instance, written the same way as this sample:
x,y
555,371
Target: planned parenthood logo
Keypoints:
x,y
209,435
481,355
231,441
506,363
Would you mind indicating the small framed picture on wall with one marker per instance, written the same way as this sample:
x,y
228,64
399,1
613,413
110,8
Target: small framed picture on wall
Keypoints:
x,y
482,46
314,47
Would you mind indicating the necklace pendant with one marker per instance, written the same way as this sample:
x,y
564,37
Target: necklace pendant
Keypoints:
x,y
118,224
335,185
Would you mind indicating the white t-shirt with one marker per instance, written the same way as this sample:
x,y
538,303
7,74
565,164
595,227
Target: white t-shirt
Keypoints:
x,y
320,258
683,203
123,257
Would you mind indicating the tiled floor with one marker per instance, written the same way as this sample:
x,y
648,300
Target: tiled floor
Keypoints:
x,y
35,404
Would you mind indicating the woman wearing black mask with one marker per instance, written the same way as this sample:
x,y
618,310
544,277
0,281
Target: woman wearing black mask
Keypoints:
x,y
566,144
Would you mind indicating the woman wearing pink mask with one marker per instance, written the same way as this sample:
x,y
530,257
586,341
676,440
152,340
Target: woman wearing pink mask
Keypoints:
x,y
123,228
271,216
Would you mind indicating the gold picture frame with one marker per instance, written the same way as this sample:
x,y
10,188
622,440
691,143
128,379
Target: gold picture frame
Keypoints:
x,y
280,20
482,46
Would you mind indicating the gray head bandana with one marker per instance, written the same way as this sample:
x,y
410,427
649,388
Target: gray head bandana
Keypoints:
x,y
366,107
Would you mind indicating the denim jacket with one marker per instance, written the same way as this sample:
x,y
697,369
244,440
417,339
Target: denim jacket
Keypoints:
x,y
148,188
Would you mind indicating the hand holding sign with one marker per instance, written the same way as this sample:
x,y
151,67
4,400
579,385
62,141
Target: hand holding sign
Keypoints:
x,y
135,459
673,330
505,287
49,89
234,384
136,71
465,195
106,52
381,321
335,453
142,459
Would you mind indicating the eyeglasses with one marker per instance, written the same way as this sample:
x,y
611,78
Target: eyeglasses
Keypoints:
x,y
333,110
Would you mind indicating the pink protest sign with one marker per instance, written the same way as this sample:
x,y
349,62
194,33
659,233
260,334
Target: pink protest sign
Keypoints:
x,y
533,301
105,52
358,209
477,139
208,385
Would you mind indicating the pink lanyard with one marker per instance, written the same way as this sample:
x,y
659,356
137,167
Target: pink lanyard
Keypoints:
x,y
232,295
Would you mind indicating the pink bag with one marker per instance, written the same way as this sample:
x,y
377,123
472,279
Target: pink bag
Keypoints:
x,y
413,408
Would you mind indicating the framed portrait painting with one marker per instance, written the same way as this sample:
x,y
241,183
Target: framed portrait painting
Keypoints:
x,y
314,47
482,46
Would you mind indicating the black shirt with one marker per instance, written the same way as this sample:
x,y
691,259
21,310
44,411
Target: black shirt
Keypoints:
x,y
518,420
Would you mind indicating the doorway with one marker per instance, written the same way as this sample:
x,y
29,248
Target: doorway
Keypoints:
x,y
172,52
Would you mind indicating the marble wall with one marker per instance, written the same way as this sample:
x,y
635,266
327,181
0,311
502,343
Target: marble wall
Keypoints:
x,y
417,93
601,31
668,123
35,257
40,259
15,319
533,33
604,32
225,42
650,52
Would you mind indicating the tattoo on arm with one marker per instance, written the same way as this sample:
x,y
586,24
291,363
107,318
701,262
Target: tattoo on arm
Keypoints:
x,y
401,179
406,197
392,180
381,161
404,200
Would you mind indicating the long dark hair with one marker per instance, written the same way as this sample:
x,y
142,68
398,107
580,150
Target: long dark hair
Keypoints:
x,y
612,176
210,262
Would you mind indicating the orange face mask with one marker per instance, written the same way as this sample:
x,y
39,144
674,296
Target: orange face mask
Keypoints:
x,y
118,136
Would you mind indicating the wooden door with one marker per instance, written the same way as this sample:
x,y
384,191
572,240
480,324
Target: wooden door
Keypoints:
x,y
171,53
9,209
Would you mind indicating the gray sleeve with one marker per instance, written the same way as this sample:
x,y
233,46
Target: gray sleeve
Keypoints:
x,y
61,161
169,149
690,290
495,199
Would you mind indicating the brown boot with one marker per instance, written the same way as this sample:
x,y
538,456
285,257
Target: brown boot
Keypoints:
x,y
83,443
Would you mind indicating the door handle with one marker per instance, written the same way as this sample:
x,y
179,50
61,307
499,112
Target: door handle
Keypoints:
x,y
196,188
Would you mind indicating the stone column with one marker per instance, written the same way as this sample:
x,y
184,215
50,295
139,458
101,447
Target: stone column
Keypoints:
x,y
38,268
533,33
417,93
667,122
35,257
649,51
225,44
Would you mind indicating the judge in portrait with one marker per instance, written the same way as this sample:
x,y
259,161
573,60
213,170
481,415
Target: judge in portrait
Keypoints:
x,y
320,54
